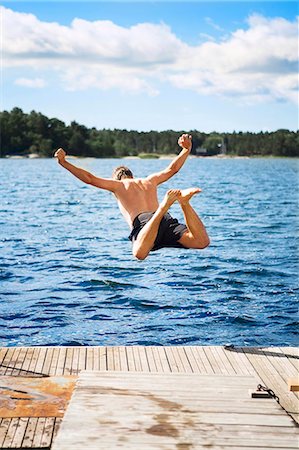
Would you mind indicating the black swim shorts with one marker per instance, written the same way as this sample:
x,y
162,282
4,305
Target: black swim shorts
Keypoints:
x,y
170,230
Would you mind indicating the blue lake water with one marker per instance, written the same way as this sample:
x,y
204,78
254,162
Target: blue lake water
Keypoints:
x,y
67,275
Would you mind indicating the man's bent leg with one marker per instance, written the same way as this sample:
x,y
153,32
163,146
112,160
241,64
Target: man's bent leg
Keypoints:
x,y
196,236
147,236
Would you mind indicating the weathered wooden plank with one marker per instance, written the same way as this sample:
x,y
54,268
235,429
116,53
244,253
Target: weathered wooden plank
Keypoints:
x,y
143,359
224,447
123,359
40,360
177,360
150,410
89,358
110,358
160,359
72,362
235,422
75,362
48,430
291,350
103,363
14,361
274,381
239,362
68,361
82,359
130,359
152,363
10,432
163,359
48,361
170,443
219,445
216,361
243,359
174,367
4,425
227,367
177,420
266,363
286,370
3,351
292,353
54,361
57,425
116,358
281,363
9,360
203,357
182,360
136,358
34,360
148,446
195,360
27,361
39,429
235,363
166,378
235,388
191,359
29,433
19,361
61,361
213,360
96,358
20,432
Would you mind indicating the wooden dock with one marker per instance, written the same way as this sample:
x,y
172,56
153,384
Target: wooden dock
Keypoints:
x,y
271,367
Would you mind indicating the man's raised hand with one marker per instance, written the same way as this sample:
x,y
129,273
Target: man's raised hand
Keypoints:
x,y
185,141
60,154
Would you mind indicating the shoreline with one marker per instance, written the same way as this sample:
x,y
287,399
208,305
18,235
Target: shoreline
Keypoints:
x,y
158,157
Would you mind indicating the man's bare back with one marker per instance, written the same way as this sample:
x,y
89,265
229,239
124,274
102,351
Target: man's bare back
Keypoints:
x,y
136,196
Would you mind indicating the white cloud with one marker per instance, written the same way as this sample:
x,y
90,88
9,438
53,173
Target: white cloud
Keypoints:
x,y
206,37
105,78
256,63
31,82
259,63
214,25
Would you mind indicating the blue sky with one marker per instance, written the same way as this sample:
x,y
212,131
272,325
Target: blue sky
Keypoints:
x,y
211,66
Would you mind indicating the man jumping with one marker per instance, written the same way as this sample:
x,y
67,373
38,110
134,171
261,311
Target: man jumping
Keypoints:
x,y
152,227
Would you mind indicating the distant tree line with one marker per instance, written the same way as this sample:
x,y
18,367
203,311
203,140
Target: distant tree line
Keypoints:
x,y
34,133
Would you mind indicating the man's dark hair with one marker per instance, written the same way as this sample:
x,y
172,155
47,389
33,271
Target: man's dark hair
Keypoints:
x,y
122,172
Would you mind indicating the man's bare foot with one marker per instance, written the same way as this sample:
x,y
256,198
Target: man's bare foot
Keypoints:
x,y
186,194
170,197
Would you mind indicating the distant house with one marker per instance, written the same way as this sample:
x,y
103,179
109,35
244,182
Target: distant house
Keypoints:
x,y
223,147
216,145
201,151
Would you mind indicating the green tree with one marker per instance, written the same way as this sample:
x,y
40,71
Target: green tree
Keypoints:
x,y
22,134
213,144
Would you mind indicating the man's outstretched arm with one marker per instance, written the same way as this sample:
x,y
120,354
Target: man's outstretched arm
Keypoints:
x,y
83,175
186,143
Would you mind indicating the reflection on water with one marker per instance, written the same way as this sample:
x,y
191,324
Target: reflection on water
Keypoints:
x,y
68,277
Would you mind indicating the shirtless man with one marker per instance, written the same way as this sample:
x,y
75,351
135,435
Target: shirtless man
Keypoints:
x,y
151,225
